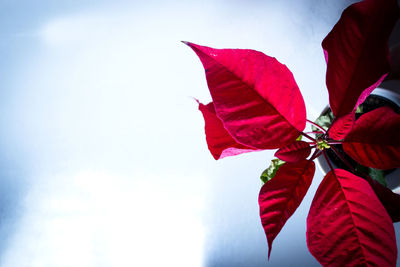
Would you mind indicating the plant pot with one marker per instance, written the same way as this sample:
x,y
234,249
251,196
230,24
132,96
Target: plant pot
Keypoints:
x,y
389,91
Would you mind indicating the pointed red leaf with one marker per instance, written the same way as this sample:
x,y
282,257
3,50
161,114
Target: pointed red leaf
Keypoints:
x,y
374,140
280,196
341,126
219,142
347,224
357,54
247,88
294,152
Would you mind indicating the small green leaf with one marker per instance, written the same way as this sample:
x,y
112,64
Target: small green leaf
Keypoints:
x,y
270,172
299,138
359,109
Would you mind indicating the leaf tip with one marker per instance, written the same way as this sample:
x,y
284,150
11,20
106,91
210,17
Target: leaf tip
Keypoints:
x,y
186,43
269,251
195,99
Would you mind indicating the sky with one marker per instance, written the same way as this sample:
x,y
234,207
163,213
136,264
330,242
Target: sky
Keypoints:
x,y
102,149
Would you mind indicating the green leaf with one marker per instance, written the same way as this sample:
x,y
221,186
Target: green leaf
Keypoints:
x,y
359,109
299,138
270,172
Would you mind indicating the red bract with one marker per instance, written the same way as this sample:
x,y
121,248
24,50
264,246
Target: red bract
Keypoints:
x,y
247,87
341,126
357,54
348,226
294,152
280,197
257,105
219,142
375,139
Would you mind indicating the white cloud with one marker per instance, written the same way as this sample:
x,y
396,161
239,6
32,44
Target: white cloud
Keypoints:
x,y
99,219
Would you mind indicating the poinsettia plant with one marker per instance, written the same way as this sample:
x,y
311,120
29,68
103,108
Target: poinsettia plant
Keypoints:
x,y
257,105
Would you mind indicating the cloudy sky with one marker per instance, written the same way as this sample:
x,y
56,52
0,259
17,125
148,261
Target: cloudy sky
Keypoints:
x,y
102,150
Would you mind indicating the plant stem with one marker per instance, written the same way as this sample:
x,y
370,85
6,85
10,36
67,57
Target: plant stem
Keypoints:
x,y
363,175
309,137
327,160
345,161
334,143
316,132
316,125
316,154
313,155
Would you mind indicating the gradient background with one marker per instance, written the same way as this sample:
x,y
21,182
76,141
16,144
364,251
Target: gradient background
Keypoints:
x,y
102,148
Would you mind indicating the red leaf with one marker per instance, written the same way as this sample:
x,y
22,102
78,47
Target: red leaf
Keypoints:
x,y
347,224
375,140
390,200
341,126
294,152
280,196
219,142
357,54
254,95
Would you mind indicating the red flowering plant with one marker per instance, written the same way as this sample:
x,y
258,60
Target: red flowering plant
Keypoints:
x,y
257,105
